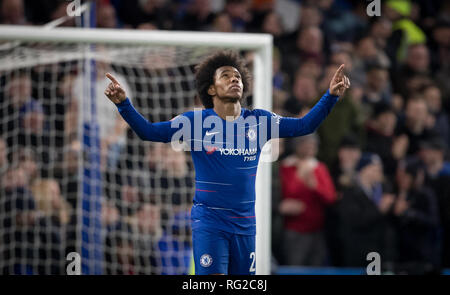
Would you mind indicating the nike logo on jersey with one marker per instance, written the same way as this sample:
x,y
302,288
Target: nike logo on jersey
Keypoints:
x,y
208,133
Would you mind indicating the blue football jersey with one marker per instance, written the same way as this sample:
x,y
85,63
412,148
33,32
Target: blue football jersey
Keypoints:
x,y
225,155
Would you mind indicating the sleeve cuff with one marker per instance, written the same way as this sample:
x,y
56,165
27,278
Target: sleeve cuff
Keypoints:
x,y
123,103
330,95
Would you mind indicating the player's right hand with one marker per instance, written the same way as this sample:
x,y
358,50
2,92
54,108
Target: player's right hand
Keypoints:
x,y
114,91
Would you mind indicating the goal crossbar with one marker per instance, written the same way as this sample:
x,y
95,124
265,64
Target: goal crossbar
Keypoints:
x,y
245,41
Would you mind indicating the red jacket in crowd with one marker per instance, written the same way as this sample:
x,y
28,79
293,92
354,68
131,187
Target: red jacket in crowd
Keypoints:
x,y
314,199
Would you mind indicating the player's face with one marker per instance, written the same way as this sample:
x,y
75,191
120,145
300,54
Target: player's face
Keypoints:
x,y
227,84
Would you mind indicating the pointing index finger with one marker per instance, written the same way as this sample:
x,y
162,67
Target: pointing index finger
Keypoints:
x,y
339,71
110,77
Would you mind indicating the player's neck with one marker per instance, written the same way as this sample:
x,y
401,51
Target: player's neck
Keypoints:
x,y
227,110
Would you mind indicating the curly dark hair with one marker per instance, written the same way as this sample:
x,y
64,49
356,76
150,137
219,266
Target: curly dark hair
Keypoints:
x,y
206,70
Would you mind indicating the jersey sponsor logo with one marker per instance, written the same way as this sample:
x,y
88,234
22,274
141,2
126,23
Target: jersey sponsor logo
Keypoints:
x,y
237,152
206,260
231,152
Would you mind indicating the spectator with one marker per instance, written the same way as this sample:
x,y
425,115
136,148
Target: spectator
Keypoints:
x,y
168,161
344,177
158,250
121,259
168,168
66,123
26,123
50,202
31,116
119,251
310,16
310,45
380,31
440,57
405,31
66,171
280,81
367,55
362,214
437,177
135,12
304,92
417,219
19,220
377,84
433,98
106,16
146,224
222,23
380,138
27,159
306,45
16,94
344,168
416,64
110,215
272,24
12,12
307,189
268,22
32,125
54,216
14,178
130,197
240,14
197,17
414,124
344,22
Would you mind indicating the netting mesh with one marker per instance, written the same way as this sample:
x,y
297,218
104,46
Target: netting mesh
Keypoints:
x,y
68,186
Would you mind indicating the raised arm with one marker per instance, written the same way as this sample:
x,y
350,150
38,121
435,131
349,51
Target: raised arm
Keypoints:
x,y
291,127
142,127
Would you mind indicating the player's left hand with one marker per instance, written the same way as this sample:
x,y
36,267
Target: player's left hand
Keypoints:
x,y
114,91
339,83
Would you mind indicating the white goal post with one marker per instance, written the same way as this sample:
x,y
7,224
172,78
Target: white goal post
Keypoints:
x,y
259,44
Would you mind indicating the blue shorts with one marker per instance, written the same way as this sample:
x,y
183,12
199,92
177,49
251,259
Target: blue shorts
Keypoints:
x,y
219,252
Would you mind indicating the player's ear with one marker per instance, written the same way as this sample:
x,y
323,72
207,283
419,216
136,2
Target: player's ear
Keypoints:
x,y
212,90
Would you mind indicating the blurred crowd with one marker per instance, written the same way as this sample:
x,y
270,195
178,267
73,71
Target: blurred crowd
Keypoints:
x,y
375,177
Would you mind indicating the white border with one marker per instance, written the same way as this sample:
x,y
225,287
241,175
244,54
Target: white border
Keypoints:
x,y
261,44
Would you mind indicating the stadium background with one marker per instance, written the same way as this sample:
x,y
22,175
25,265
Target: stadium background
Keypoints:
x,y
326,215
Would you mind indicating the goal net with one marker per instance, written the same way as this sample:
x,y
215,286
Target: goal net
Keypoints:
x,y
76,178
